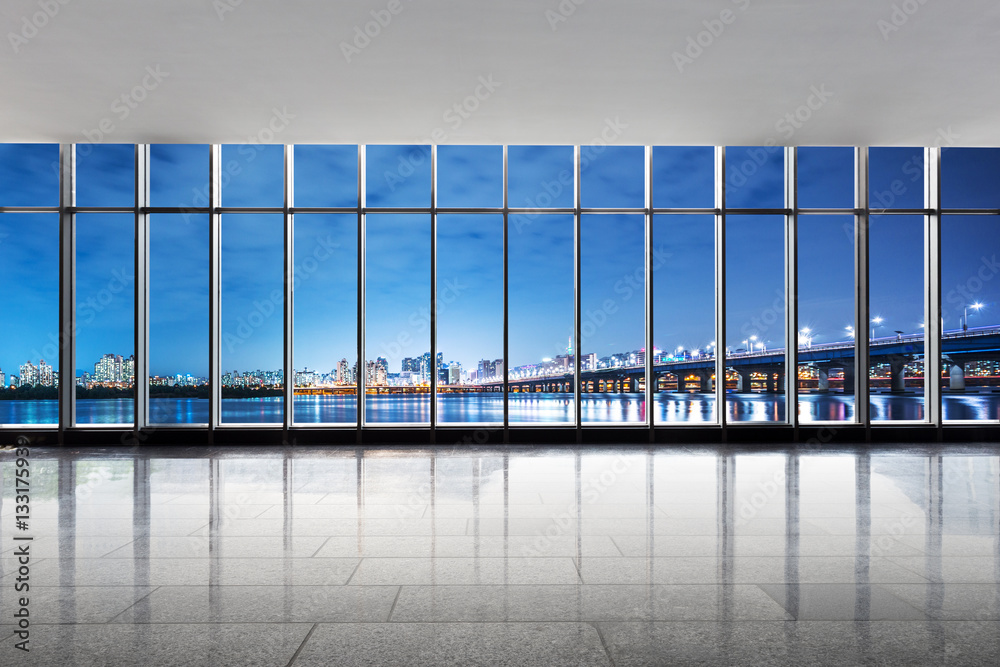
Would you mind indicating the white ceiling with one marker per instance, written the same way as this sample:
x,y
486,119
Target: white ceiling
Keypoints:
x,y
229,64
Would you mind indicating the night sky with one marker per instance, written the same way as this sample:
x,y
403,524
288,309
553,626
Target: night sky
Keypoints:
x,y
469,251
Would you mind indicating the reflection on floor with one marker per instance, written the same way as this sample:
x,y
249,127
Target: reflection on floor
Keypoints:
x,y
631,556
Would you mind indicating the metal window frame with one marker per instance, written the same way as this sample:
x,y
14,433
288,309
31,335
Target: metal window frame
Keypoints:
x,y
141,210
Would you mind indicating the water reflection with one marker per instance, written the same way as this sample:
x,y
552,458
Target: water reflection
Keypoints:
x,y
553,408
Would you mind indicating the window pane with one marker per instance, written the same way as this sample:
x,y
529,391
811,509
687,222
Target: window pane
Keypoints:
x,y
252,318
895,178
755,177
398,176
326,176
470,317
398,319
684,318
755,318
826,318
29,354
29,174
612,328
105,175
683,177
612,177
178,175
105,298
540,314
970,312
970,177
253,175
326,319
470,176
540,177
178,318
896,303
825,177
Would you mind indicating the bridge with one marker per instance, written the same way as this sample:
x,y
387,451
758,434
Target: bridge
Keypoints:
x,y
957,347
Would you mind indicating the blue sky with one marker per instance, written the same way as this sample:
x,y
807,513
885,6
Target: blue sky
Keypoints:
x,y
541,247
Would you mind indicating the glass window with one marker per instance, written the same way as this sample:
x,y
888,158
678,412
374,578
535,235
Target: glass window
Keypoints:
x,y
29,174
398,319
326,318
683,177
540,177
825,177
29,354
612,177
253,175
326,176
896,304
178,318
684,318
970,315
612,318
252,304
970,177
755,177
755,318
105,175
398,176
826,318
540,306
470,176
178,175
895,178
105,299
470,318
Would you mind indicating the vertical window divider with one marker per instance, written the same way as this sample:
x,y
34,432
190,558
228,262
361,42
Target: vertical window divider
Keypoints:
x,y
67,289
289,292
578,348
140,367
506,306
215,291
932,299
359,377
649,383
720,288
434,362
862,349
791,292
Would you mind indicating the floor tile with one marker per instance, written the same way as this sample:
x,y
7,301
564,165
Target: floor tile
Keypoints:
x,y
453,571
841,602
74,604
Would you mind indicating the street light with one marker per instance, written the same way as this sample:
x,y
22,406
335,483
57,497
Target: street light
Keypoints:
x,y
805,337
753,339
876,322
965,322
850,331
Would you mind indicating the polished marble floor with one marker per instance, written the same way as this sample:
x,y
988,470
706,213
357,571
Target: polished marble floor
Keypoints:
x,y
548,556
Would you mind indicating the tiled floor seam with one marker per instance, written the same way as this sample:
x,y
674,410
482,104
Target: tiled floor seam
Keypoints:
x,y
302,645
394,601
354,571
320,548
112,619
604,644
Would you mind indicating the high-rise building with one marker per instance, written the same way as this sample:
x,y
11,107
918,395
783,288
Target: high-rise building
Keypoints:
x,y
3,379
344,375
29,374
45,375
454,373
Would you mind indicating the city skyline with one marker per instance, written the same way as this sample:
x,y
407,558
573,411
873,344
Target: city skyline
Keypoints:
x,y
469,252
